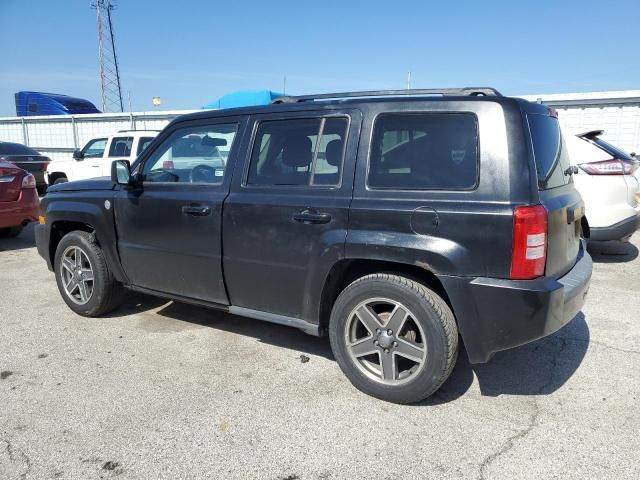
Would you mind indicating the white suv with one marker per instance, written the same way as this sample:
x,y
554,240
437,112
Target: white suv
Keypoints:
x,y
94,160
605,180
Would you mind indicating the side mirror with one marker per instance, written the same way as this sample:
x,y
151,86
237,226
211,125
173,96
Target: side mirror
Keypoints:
x,y
121,172
78,155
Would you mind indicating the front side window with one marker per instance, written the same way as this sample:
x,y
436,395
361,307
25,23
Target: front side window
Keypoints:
x,y
95,148
303,151
192,155
120,147
143,143
424,151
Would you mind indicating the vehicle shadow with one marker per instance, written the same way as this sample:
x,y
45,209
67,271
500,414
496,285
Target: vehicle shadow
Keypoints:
x,y
612,251
26,239
538,368
177,313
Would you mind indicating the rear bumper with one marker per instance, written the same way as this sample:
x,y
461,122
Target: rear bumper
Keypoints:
x,y
25,209
616,231
498,314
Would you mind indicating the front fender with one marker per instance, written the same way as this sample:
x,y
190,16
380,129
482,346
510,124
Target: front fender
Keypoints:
x,y
94,209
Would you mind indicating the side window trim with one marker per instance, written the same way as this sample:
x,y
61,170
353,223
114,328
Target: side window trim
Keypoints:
x,y
257,120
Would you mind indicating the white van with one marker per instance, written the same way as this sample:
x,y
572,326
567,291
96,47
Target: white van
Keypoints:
x,y
95,158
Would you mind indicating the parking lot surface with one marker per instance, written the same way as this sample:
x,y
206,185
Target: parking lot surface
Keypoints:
x,y
165,390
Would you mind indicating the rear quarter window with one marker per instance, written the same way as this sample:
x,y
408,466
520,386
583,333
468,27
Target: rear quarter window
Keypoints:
x,y
424,151
549,151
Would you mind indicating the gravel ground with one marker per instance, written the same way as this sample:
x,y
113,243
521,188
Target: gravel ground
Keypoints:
x,y
165,390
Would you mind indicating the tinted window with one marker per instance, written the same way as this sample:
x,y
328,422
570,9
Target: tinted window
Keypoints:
x,y
549,151
95,148
192,155
120,147
143,143
424,151
307,151
613,151
16,149
33,108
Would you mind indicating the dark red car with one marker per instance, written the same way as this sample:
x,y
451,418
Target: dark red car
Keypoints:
x,y
19,203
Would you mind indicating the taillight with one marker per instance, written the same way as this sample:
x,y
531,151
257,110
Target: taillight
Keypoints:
x,y
614,166
29,181
529,242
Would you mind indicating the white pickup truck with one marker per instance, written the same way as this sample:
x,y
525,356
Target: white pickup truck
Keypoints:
x,y
95,158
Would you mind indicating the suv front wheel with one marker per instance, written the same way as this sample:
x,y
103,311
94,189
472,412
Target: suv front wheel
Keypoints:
x,y
83,276
393,337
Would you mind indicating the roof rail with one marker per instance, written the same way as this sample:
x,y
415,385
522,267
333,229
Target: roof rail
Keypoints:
x,y
463,92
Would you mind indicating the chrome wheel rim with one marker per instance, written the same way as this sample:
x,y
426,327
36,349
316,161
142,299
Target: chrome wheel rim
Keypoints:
x,y
76,274
385,341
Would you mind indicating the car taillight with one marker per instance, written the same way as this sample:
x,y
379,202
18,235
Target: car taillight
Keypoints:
x,y
529,242
614,166
29,181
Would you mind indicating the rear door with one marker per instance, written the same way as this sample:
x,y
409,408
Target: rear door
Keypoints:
x,y
286,218
557,193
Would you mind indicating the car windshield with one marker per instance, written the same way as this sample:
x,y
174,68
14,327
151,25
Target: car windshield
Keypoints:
x,y
16,149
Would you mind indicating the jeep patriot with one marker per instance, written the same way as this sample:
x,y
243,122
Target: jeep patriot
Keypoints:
x,y
396,222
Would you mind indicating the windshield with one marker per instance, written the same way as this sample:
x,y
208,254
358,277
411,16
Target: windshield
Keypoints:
x,y
611,150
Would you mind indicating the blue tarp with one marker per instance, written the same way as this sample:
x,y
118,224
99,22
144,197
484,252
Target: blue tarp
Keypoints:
x,y
244,98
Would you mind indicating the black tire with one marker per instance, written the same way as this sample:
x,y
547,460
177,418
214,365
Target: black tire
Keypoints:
x,y
60,180
106,293
432,315
10,232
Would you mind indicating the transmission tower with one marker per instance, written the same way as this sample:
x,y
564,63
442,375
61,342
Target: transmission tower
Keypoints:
x,y
109,74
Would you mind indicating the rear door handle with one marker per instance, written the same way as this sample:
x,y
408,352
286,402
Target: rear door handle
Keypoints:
x,y
197,210
311,216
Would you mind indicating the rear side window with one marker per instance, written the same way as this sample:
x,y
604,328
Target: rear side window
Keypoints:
x,y
303,151
549,151
120,147
424,151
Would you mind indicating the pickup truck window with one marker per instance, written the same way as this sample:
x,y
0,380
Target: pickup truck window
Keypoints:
x,y
143,143
95,148
120,147
192,155
287,152
424,151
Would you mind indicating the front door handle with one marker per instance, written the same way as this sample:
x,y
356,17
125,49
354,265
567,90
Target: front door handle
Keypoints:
x,y
308,216
197,210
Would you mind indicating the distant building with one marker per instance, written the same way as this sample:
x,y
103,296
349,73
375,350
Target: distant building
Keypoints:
x,y
615,112
38,103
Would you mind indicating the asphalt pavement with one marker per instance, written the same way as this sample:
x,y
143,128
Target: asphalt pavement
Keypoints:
x,y
165,390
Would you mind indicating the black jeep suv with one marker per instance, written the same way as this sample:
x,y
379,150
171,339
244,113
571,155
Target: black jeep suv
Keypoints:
x,y
393,221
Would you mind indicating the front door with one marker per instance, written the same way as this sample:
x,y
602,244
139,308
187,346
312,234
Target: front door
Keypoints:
x,y
286,218
89,165
169,225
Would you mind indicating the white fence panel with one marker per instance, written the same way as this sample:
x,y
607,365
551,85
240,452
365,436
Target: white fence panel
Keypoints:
x,y
58,135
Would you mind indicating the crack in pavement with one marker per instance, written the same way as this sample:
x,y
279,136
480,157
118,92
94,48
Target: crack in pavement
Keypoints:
x,y
603,345
11,451
533,421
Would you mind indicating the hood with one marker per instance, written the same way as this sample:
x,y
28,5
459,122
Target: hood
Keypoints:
x,y
100,183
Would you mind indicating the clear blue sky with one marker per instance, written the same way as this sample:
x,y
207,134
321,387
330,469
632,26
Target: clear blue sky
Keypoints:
x,y
191,52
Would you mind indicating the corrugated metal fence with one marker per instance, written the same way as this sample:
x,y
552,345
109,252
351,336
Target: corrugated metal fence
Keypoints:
x,y
58,135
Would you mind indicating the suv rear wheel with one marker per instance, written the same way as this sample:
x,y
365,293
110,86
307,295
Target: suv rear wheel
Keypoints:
x,y
83,277
393,337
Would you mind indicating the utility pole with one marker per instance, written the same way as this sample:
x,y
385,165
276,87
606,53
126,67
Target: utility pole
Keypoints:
x,y
110,88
